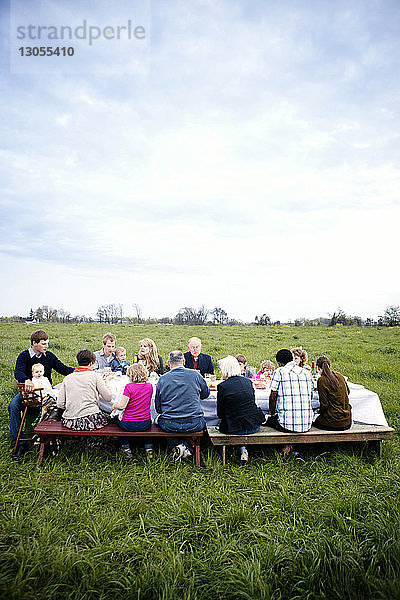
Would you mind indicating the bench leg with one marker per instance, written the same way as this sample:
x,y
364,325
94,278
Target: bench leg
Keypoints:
x,y
223,456
43,442
197,449
376,446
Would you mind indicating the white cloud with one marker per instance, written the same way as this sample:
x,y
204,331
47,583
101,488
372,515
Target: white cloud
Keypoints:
x,y
262,137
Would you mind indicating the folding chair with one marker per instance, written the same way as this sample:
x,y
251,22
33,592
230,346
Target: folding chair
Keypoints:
x,y
32,399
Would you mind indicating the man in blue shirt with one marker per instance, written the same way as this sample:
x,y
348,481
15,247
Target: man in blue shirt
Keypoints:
x,y
177,401
37,353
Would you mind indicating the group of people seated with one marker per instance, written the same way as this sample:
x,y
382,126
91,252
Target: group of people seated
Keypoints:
x,y
179,390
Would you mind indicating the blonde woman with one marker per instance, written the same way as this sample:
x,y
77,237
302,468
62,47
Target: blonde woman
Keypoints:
x,y
149,357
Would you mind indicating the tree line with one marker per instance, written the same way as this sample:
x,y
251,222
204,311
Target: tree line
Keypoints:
x,y
188,315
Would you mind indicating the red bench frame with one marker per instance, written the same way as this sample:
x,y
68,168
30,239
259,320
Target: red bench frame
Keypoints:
x,y
46,430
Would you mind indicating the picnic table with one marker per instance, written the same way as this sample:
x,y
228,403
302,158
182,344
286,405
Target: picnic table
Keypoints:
x,y
366,405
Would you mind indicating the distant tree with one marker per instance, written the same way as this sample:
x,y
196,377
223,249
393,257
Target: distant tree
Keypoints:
x,y
392,316
263,319
191,316
110,313
219,316
337,317
164,320
138,311
299,322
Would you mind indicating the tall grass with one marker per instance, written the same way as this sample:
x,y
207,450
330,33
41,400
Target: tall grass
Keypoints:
x,y
86,525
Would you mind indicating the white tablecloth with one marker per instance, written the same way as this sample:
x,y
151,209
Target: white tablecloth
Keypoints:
x,y
366,406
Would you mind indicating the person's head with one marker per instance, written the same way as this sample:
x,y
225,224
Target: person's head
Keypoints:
x,y
120,353
147,348
324,368
242,360
194,345
39,341
37,370
176,359
267,367
283,356
137,373
300,356
85,358
229,367
109,340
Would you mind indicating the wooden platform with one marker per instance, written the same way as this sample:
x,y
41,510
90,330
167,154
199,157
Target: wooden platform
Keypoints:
x,y
269,436
46,430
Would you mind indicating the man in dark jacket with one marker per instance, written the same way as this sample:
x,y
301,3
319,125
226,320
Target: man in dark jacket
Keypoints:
x,y
194,359
37,353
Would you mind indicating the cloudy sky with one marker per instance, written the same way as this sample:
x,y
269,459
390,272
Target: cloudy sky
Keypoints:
x,y
243,154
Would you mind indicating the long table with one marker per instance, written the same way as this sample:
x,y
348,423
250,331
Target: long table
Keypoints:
x,y
365,404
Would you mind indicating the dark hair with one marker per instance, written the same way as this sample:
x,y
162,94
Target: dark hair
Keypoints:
x,y
85,357
324,364
241,358
284,356
38,335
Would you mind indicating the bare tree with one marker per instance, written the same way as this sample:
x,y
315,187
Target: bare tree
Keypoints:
x,y
138,311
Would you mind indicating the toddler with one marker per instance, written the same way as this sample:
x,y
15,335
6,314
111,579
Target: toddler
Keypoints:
x,y
119,363
40,381
266,371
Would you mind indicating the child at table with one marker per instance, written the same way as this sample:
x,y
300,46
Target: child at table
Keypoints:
x,y
135,403
119,363
266,371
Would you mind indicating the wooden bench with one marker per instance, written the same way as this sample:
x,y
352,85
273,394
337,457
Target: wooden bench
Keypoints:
x,y
266,435
46,430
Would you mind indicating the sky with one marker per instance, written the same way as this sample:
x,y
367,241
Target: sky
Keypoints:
x,y
241,154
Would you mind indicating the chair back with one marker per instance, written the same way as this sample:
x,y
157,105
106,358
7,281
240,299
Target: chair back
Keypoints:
x,y
34,398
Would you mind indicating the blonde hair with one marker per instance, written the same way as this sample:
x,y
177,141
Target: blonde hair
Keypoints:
x,y
119,350
35,366
229,367
151,360
137,373
267,364
109,337
302,354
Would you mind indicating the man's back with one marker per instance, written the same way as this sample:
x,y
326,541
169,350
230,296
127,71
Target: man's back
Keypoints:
x,y
294,386
179,392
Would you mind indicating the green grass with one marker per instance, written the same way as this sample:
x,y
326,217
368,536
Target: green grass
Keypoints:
x,y
86,525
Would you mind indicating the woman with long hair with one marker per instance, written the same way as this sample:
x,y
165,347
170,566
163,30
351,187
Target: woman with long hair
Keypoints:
x,y
149,357
333,391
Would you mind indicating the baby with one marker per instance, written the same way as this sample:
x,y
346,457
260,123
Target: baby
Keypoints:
x,y
40,381
266,371
119,363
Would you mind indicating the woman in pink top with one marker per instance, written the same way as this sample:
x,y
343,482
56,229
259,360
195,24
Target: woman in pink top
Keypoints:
x,y
136,406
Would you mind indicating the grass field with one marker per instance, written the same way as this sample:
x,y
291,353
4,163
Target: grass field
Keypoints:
x,y
87,525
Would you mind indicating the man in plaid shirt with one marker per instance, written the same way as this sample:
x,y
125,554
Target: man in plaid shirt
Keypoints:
x,y
291,393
